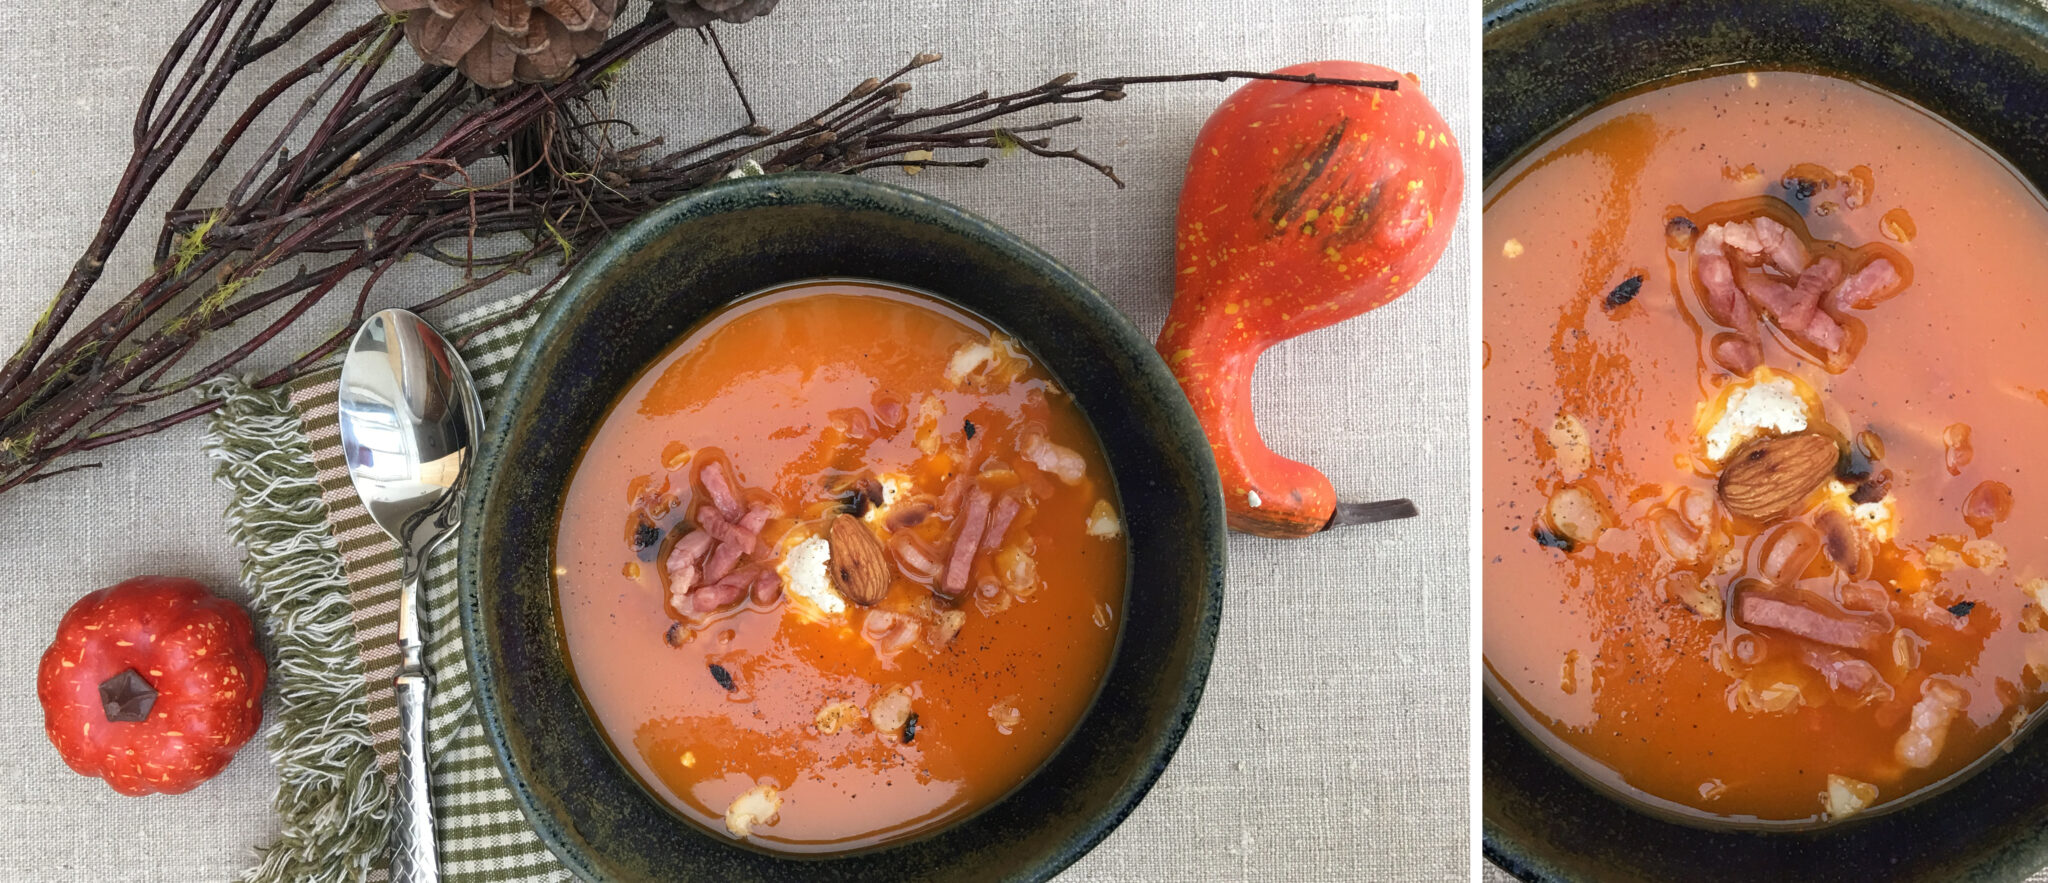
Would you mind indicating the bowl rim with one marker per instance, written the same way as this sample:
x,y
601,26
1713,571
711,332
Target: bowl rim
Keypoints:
x,y
1151,755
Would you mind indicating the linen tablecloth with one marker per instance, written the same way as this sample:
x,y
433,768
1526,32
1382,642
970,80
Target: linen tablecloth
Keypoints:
x,y
1332,741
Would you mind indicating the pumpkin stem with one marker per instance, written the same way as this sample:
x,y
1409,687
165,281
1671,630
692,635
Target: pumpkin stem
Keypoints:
x,y
127,697
1348,514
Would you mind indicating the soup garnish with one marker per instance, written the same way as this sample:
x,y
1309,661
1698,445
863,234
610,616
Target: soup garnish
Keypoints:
x,y
843,566
1759,550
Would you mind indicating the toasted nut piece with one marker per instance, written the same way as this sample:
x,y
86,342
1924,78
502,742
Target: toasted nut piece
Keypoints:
x,y
858,566
1577,515
1767,477
1703,599
758,806
1571,445
890,710
1846,797
836,716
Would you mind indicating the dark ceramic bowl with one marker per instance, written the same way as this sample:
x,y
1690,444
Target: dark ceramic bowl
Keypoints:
x,y
642,291
1982,65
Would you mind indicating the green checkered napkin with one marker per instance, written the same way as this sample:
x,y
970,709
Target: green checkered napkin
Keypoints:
x,y
324,580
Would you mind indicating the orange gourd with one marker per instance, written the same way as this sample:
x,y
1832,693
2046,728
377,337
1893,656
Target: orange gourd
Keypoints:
x,y
1304,205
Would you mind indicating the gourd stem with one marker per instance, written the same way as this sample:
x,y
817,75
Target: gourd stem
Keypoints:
x,y
1348,514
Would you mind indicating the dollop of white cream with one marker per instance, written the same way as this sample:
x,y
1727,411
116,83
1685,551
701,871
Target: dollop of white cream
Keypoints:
x,y
1771,404
803,576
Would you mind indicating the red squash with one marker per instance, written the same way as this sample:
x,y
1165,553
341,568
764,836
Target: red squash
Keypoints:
x,y
152,685
1304,205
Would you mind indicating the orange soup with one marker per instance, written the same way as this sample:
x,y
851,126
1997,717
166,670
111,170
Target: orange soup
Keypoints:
x,y
843,566
1762,545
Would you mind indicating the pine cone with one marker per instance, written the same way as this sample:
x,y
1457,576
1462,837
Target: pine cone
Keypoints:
x,y
698,13
496,42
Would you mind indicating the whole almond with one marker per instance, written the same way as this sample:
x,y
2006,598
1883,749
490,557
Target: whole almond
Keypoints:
x,y
1768,476
858,565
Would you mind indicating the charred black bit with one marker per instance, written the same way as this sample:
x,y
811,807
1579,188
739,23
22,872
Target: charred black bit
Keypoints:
x,y
854,503
910,728
1555,541
1962,608
724,678
1801,189
676,634
1625,292
969,425
646,536
1872,489
856,494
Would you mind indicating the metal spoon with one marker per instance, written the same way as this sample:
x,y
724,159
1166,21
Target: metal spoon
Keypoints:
x,y
409,420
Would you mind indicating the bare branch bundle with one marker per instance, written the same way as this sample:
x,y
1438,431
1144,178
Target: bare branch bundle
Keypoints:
x,y
402,170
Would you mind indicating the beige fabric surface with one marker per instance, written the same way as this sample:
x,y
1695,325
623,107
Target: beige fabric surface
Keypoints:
x,y
1332,742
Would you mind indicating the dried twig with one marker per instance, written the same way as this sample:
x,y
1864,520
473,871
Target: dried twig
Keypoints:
x,y
425,165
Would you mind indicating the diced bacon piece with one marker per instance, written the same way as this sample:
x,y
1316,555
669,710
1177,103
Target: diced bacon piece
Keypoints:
x,y
1876,283
1793,306
1782,247
719,486
1858,680
1816,281
684,557
722,561
711,521
707,599
949,499
973,520
1824,332
767,587
1811,618
747,533
999,521
1774,297
1737,353
1940,702
1797,307
1724,301
756,518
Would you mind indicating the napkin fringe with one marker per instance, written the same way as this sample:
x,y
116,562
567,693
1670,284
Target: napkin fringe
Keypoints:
x,y
331,795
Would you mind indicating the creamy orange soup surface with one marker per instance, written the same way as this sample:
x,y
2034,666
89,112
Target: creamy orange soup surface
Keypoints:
x,y
1764,543
703,529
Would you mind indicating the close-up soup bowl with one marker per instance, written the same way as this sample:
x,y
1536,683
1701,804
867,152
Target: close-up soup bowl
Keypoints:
x,y
1983,67
643,290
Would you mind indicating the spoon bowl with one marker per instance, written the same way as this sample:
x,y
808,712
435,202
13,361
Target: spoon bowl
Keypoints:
x,y
409,417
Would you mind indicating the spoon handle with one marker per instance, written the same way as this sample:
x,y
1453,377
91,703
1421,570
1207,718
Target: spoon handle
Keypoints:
x,y
413,859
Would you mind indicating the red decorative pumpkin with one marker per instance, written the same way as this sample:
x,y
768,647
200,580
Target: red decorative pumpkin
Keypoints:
x,y
152,685
1304,205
